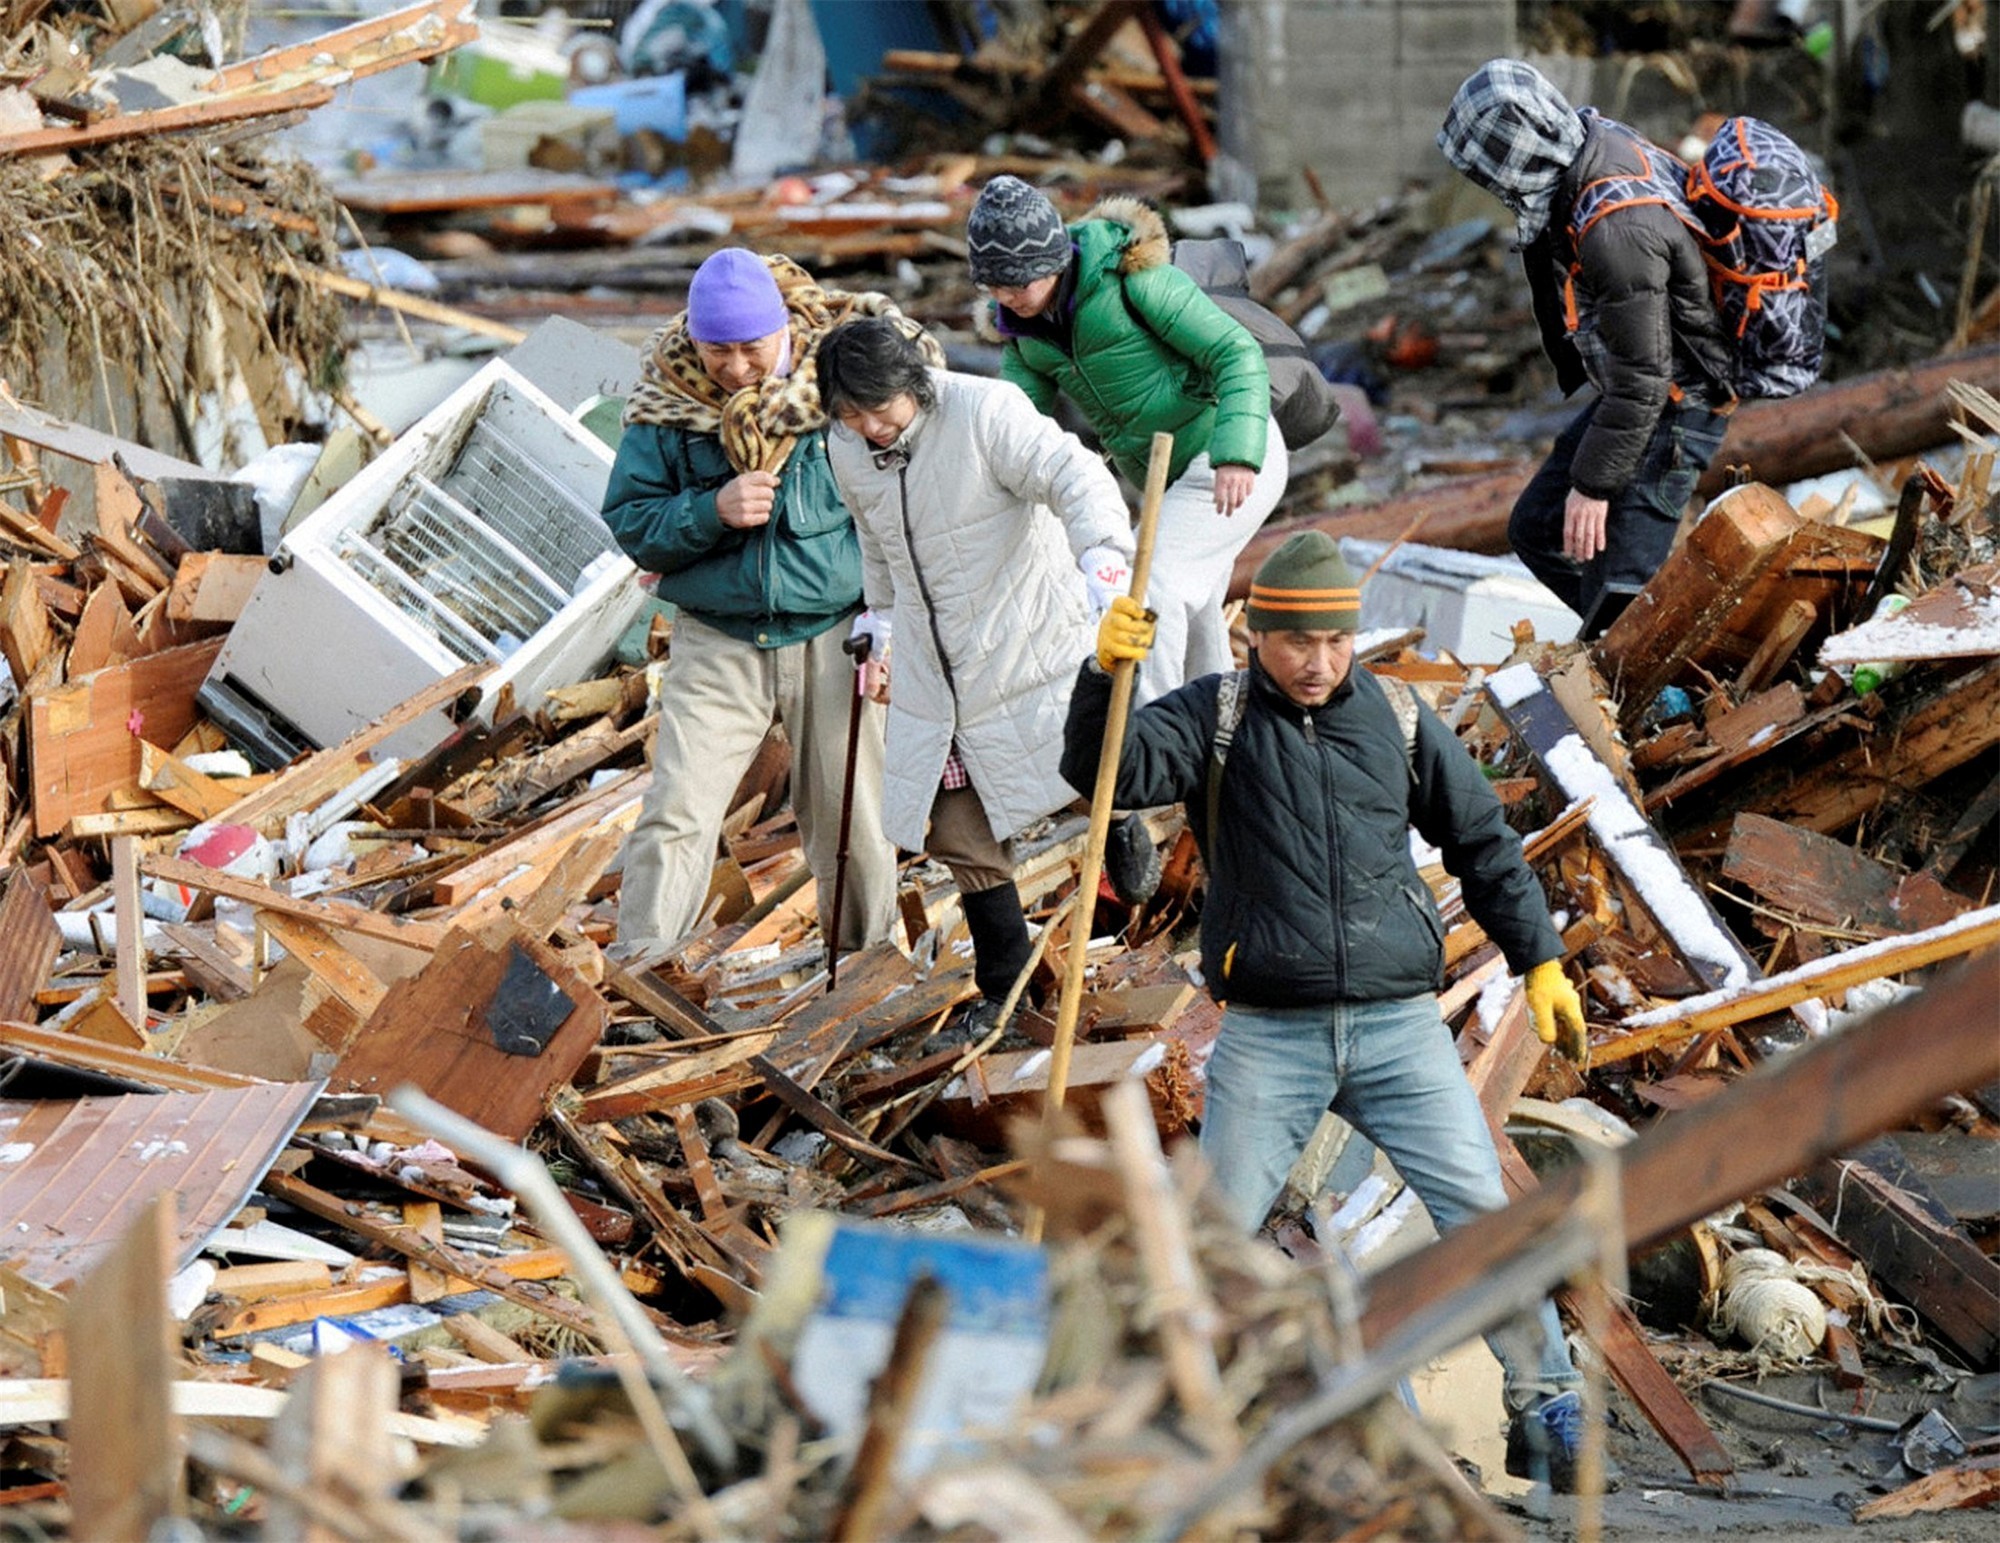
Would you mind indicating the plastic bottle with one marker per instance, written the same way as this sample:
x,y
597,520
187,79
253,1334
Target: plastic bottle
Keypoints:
x,y
1870,676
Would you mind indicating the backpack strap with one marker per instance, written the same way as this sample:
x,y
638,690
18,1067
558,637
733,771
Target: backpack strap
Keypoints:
x,y
1232,697
1403,703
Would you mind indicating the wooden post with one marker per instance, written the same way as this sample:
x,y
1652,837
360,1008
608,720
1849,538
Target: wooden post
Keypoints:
x,y
890,1404
333,1439
131,930
125,1467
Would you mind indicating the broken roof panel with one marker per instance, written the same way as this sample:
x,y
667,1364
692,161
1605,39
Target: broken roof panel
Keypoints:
x,y
75,1174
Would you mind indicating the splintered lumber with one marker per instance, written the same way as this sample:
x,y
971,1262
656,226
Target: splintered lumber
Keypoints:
x,y
1910,1243
85,738
173,781
213,586
327,913
1819,978
977,1105
359,987
333,1438
1962,1487
26,638
1698,936
312,778
412,305
1728,554
512,867
1818,1100
414,33
124,1446
104,633
29,943
1928,737
1958,619
509,1276
490,1028
138,1067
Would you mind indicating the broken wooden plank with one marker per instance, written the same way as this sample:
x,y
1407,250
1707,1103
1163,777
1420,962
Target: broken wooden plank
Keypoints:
x,y
29,943
490,1028
1819,879
126,1466
1910,1244
327,913
1634,849
84,738
1822,977
214,586
320,952
312,778
1961,1487
333,1440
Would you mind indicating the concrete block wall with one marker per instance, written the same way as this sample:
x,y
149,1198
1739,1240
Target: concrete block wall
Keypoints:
x,y
1355,89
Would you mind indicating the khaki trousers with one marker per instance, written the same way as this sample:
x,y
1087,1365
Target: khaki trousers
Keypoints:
x,y
962,840
718,698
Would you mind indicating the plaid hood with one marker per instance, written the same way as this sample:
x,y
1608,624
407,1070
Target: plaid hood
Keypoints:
x,y
1511,132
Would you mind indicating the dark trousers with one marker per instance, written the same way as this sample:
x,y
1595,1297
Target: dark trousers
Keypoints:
x,y
1643,515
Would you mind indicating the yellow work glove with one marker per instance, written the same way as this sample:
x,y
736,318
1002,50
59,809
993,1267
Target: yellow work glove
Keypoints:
x,y
1125,632
1557,1011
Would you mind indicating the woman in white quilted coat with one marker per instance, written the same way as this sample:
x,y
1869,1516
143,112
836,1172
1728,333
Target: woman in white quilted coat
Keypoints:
x,y
990,540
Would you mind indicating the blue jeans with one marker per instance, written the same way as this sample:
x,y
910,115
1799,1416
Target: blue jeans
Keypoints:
x,y
1391,1071
1643,515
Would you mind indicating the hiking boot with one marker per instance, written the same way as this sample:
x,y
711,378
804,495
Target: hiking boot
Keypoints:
x,y
1131,861
1545,1442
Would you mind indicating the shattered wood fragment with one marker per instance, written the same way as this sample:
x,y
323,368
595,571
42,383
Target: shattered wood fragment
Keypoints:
x,y
26,638
1961,1487
126,1475
490,1028
333,1439
213,586
1819,879
1911,1244
84,738
29,943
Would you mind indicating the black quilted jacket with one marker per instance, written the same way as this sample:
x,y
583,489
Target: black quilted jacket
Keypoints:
x,y
1313,896
1645,317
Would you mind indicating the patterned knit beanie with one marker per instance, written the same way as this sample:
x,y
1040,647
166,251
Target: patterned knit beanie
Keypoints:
x,y
1014,235
1304,586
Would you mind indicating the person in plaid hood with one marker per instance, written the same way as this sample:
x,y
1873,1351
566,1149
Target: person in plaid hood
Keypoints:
x,y
1624,306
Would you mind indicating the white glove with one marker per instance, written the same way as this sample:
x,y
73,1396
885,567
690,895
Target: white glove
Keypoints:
x,y
877,627
1107,572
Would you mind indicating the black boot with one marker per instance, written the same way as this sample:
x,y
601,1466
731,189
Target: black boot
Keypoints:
x,y
1000,945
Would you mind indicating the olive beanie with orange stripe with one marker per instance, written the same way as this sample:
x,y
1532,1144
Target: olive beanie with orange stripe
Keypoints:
x,y
1305,586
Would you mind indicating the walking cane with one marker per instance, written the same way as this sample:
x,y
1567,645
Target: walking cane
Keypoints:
x,y
1101,800
858,649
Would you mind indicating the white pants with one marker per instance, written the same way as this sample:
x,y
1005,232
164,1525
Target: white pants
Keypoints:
x,y
1194,553
717,700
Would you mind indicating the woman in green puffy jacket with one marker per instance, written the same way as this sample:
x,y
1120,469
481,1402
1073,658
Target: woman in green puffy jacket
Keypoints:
x,y
1099,312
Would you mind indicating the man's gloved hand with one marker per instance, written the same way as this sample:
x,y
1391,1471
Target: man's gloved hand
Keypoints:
x,y
1107,573
1557,1011
1126,632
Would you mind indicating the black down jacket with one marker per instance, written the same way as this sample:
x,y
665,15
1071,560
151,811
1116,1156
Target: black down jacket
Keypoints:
x,y
1313,896
1646,320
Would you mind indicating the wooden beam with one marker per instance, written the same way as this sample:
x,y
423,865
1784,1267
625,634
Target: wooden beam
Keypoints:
x,y
329,914
1820,978
131,930
135,1066
1766,1127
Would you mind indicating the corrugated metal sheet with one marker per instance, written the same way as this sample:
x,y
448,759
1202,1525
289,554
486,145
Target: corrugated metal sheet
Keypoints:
x,y
75,1173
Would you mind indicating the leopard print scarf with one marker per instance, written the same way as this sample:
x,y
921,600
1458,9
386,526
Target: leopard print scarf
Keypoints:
x,y
759,424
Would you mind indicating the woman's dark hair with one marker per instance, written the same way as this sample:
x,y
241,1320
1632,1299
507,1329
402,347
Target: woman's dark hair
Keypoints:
x,y
868,363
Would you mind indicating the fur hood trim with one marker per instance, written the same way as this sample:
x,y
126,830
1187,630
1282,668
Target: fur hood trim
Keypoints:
x,y
1149,246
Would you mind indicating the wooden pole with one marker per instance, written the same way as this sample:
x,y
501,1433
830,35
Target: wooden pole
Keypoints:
x,y
1103,796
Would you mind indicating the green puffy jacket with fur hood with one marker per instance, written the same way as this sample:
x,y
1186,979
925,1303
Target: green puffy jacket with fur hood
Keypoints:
x,y
1149,352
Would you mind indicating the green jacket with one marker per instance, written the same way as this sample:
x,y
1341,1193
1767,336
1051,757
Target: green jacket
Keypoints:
x,y
774,585
1149,352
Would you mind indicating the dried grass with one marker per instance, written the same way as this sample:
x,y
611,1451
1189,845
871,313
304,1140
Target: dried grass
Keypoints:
x,y
118,265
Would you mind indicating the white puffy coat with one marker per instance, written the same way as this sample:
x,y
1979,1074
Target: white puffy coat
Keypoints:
x,y
991,615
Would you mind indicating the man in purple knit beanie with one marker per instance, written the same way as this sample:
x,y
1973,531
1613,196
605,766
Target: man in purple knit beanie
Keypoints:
x,y
722,488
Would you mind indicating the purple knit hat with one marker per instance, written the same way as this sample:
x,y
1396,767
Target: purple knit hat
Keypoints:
x,y
734,299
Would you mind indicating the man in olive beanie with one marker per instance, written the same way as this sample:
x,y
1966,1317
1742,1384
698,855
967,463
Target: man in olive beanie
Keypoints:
x,y
1301,778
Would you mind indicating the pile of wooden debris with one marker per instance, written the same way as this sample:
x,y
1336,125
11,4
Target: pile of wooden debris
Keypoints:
x,y
1731,834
